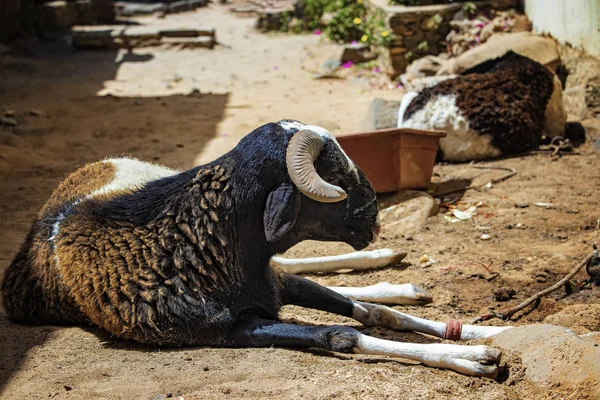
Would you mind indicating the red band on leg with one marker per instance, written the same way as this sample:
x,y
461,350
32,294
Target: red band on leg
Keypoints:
x,y
453,330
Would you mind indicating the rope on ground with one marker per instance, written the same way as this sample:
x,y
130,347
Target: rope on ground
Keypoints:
x,y
509,312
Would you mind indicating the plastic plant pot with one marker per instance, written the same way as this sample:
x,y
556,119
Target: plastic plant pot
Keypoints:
x,y
394,159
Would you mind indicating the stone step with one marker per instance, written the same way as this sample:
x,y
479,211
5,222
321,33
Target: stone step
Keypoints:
x,y
107,36
186,32
189,43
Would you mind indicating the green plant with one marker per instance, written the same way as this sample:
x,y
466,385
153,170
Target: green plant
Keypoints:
x,y
423,46
434,22
352,20
285,19
469,8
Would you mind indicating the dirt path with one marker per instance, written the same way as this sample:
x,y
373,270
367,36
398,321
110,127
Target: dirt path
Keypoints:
x,y
249,80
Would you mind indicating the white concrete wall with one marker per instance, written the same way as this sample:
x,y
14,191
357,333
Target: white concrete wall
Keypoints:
x,y
569,21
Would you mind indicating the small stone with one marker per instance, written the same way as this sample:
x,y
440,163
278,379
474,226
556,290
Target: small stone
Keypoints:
x,y
485,236
34,113
8,121
521,205
358,53
382,114
159,397
68,388
169,395
205,368
179,145
504,294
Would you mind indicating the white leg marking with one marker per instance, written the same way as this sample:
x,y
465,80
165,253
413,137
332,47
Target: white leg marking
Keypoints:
x,y
377,315
468,360
358,260
387,293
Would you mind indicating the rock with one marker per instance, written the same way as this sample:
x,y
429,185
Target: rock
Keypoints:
x,y
131,9
382,114
358,53
159,397
186,32
521,205
593,337
8,121
408,213
270,19
574,99
581,318
190,43
538,48
186,5
94,37
205,368
504,294
554,358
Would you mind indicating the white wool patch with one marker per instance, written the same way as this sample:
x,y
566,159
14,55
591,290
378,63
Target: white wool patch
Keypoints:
x,y
324,133
131,174
406,100
556,115
461,142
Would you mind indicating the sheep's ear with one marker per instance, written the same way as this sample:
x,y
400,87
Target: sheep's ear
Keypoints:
x,y
281,211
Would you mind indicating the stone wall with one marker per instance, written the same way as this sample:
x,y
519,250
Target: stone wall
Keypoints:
x,y
413,28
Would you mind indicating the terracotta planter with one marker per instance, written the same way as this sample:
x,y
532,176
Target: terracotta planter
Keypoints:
x,y
394,159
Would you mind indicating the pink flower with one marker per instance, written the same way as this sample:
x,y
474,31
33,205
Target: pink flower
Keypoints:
x,y
353,42
276,68
317,32
377,70
347,64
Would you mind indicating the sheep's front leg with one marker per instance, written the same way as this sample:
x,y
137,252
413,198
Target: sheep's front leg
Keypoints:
x,y
387,293
377,315
468,360
358,260
305,293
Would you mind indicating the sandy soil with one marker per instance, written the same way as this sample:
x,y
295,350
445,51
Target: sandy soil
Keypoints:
x,y
248,80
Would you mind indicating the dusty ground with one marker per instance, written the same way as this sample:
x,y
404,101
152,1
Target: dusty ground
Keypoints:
x,y
249,80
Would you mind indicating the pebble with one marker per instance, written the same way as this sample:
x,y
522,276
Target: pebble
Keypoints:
x,y
205,368
504,294
35,113
8,121
485,236
521,205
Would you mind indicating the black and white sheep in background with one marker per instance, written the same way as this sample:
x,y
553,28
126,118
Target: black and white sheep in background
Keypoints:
x,y
173,258
501,107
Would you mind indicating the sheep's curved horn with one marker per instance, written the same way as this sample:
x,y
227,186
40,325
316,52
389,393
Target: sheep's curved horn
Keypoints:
x,y
302,152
